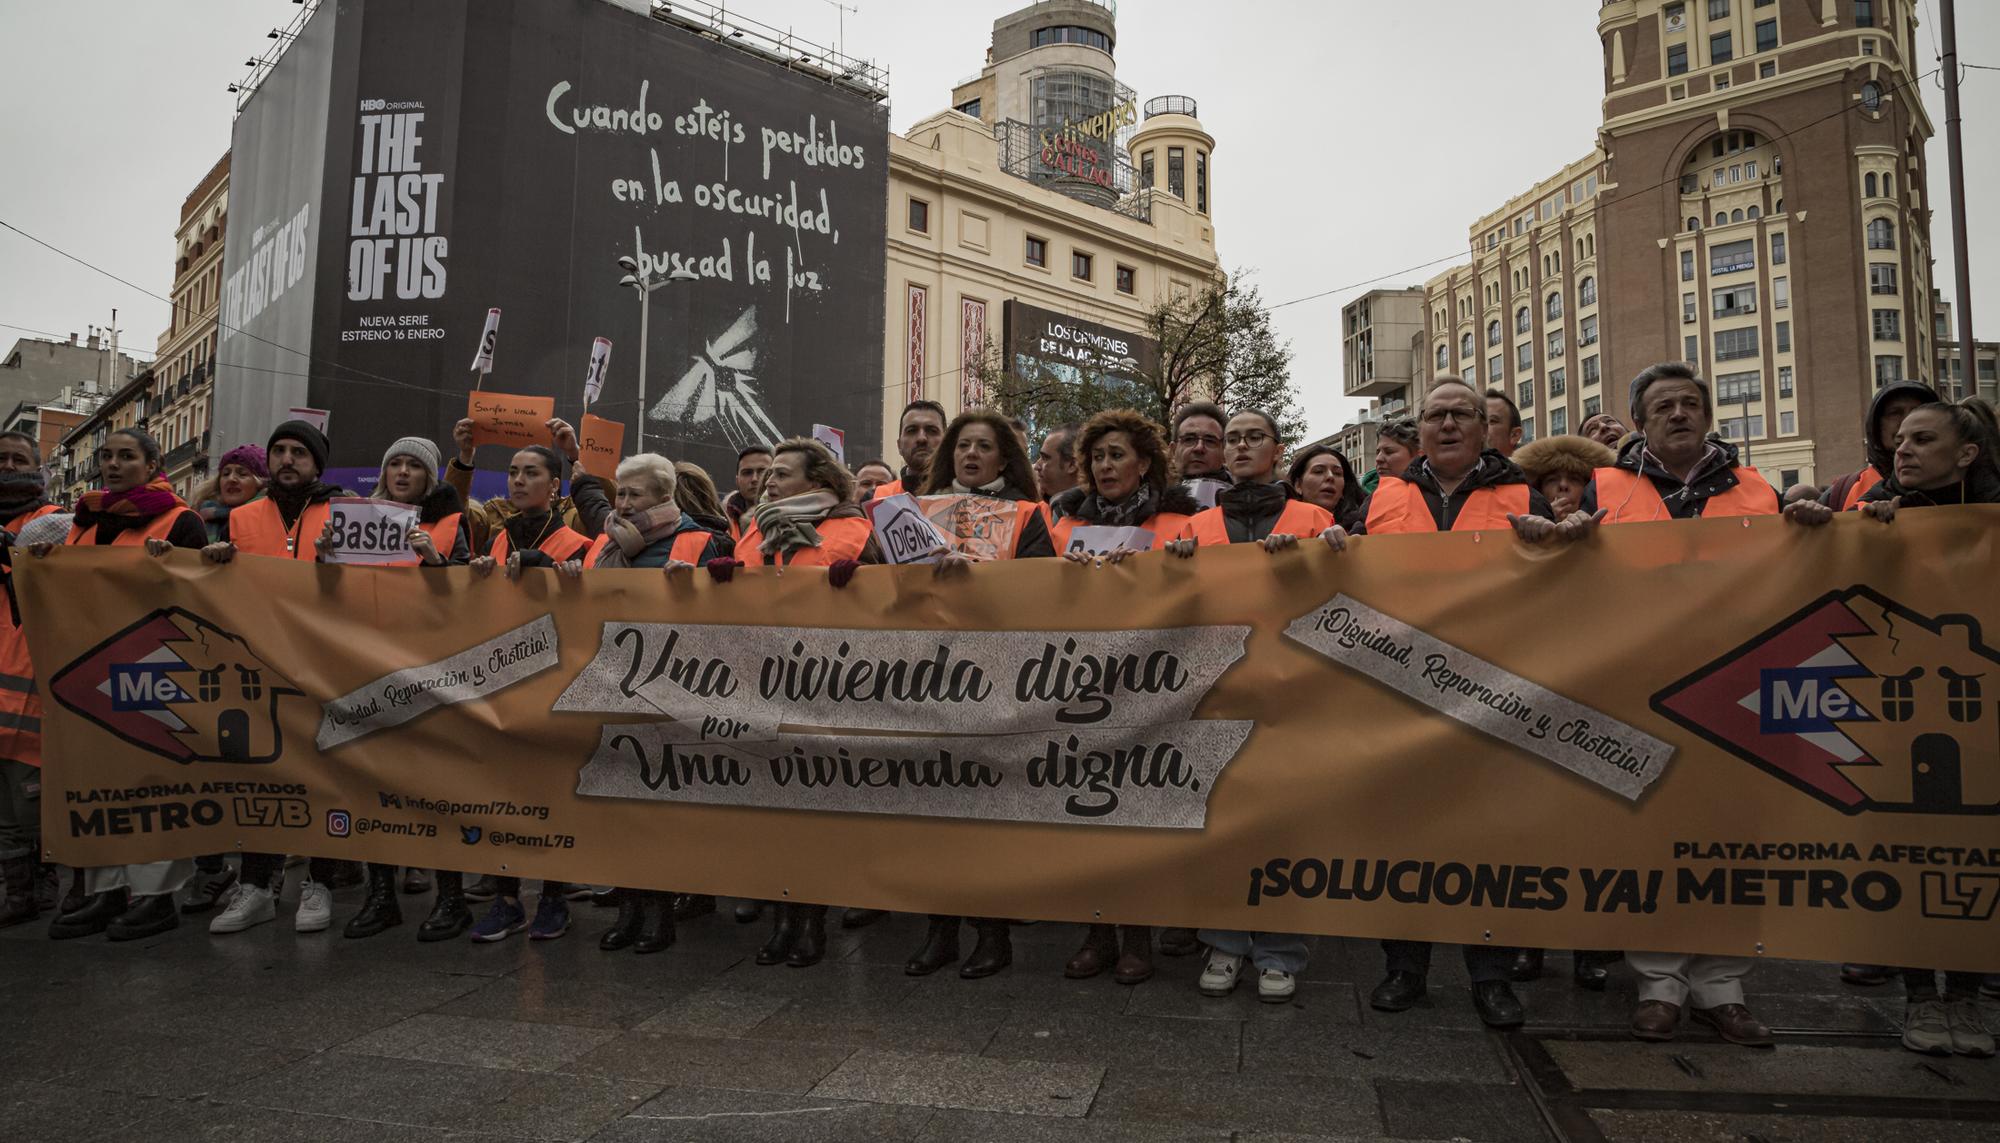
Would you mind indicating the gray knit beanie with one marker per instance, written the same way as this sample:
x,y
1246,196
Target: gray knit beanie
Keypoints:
x,y
417,449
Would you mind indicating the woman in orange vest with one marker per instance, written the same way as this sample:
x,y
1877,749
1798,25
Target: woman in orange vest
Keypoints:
x,y
440,538
806,517
1320,474
135,507
23,497
1256,508
1123,471
239,478
982,458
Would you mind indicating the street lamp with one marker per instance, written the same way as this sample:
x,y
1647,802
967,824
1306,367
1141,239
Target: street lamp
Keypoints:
x,y
645,288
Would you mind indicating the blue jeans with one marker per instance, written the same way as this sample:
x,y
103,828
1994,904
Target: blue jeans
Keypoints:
x,y
1285,952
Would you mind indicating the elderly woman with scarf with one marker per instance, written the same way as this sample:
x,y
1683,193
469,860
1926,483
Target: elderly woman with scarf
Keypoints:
x,y
1256,509
806,518
1321,475
135,507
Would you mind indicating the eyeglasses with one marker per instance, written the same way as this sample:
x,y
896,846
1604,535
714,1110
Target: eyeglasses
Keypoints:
x,y
1196,440
1253,438
1440,416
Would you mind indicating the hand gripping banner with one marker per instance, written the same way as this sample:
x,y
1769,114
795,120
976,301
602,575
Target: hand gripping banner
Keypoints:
x,y
1718,736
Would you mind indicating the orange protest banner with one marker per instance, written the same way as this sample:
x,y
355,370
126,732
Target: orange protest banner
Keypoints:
x,y
1732,736
600,445
507,419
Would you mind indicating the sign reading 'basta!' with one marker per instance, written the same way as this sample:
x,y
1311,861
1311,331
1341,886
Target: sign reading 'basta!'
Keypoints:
x,y
1395,741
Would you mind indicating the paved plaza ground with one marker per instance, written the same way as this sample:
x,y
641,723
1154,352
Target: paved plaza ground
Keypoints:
x,y
270,1036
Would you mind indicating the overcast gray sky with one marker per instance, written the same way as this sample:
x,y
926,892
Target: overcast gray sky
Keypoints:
x,y
1353,140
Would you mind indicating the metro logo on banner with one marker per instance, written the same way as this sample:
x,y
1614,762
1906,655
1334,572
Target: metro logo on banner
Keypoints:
x,y
1860,702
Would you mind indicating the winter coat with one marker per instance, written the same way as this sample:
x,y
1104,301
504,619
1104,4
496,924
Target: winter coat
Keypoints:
x,y
1881,461
1715,475
1491,471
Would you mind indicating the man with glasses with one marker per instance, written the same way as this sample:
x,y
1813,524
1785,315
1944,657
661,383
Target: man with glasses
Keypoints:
x,y
1197,443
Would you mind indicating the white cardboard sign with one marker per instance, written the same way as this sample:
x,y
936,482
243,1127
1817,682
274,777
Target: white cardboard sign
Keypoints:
x,y
902,531
370,531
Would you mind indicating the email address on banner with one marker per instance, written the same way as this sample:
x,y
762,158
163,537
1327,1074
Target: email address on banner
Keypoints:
x,y
498,809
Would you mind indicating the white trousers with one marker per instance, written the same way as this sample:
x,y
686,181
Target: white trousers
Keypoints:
x,y
1673,977
148,880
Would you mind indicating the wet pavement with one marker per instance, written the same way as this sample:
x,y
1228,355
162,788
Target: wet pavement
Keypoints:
x,y
274,1036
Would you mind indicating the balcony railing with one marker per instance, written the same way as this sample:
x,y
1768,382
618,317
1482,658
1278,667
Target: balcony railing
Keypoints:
x,y
1171,105
187,451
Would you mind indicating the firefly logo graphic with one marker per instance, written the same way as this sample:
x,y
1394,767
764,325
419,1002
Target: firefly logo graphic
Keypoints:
x,y
1860,702
179,686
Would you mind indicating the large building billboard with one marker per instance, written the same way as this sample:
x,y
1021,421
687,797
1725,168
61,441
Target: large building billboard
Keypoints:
x,y
1044,343
505,155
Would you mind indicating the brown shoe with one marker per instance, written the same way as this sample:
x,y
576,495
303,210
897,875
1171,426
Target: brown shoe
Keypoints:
x,y
1100,948
1136,966
1734,1023
1656,1021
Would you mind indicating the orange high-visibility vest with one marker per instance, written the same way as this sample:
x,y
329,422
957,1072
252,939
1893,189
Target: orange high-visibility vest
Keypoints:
x,y
688,547
1628,497
81,537
20,706
1864,480
841,538
1398,507
893,488
559,545
1299,518
258,529
1164,526
443,534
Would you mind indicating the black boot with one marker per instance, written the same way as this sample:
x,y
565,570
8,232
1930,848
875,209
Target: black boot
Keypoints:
x,y
784,934
449,916
18,906
748,911
625,929
76,898
688,906
861,918
994,951
1099,952
48,884
147,917
99,910
811,943
380,911
1591,970
940,947
1178,942
656,923
1527,965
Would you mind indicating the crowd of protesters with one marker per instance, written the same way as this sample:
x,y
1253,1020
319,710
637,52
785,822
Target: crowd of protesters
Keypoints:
x,y
1211,477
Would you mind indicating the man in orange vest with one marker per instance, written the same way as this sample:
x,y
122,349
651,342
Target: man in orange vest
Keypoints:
x,y
1459,484
918,433
1885,415
293,513
23,497
1672,470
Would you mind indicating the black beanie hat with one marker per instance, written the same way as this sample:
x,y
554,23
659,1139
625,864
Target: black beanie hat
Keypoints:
x,y
304,433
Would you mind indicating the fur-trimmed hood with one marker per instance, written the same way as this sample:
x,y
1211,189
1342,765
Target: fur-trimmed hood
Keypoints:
x,y
1173,499
1573,456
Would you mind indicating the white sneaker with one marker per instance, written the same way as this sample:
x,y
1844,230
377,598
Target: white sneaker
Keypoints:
x,y
1969,1036
1925,1028
315,908
248,905
1275,986
1218,977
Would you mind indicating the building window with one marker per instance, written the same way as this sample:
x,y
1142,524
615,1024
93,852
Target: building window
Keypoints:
x,y
1465,346
1558,419
1526,394
1590,370
1586,331
1718,48
1767,69
1864,13
1687,265
1738,428
1558,385
1080,265
1721,218
1784,381
1881,278
1690,349
1592,406
1868,184
1881,234
1201,182
1586,292
1556,344
1867,46
1555,306
1524,356
1677,59
1146,169
1521,320
1736,388
1730,257
1781,293
1783,332
1527,429
1778,248
1734,344
1128,280
1732,300
1494,365
969,107
1493,332
1177,172
1037,251
1888,369
1888,324
1871,97
1767,35
1443,357
1718,9
1687,309
920,216
1788,425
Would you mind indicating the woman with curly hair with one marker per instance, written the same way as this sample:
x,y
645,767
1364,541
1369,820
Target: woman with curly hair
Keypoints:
x,y
1123,471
